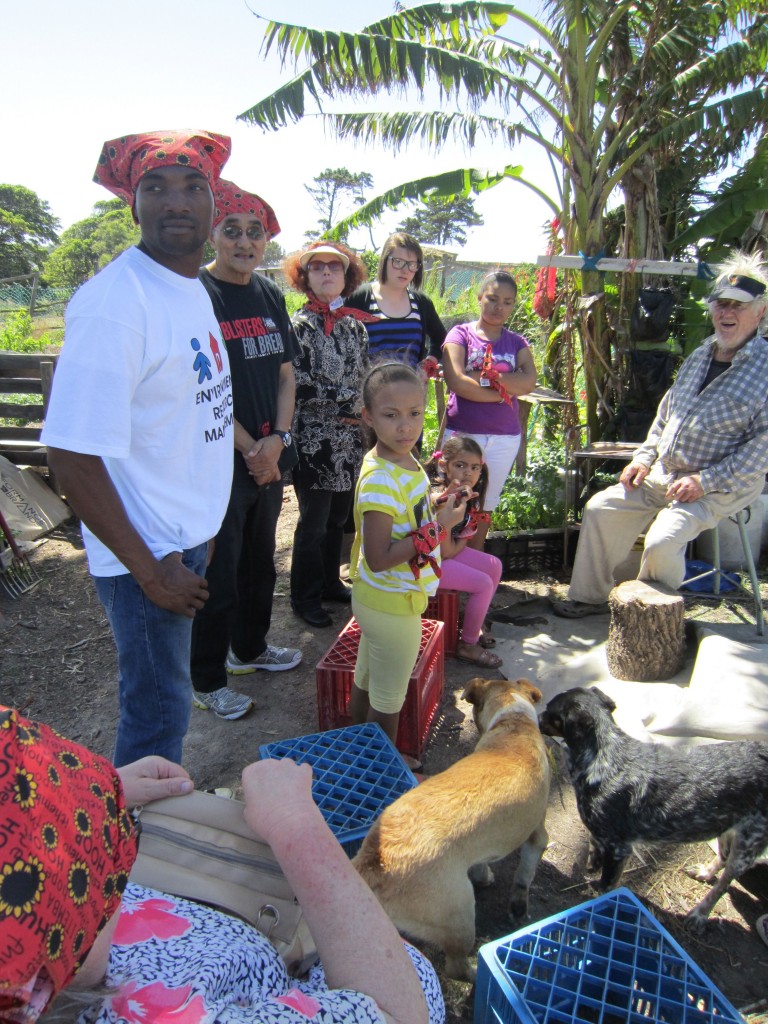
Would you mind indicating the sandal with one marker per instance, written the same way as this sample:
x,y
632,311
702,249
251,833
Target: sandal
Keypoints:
x,y
578,609
483,658
486,640
761,927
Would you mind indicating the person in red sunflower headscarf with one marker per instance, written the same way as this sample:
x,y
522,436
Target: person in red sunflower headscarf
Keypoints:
x,y
71,919
140,429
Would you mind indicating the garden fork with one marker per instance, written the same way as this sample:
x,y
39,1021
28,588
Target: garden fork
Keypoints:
x,y
16,573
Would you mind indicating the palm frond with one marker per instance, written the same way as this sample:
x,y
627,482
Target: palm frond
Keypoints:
x,y
459,182
731,214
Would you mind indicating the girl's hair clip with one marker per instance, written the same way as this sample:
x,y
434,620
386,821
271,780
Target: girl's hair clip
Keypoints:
x,y
437,455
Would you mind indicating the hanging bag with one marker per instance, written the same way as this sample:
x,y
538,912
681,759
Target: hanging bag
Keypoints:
x,y
652,315
200,848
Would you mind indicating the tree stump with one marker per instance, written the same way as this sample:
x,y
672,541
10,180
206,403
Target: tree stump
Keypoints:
x,y
646,638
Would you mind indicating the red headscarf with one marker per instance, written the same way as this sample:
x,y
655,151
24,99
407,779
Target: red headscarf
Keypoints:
x,y
125,161
231,199
67,845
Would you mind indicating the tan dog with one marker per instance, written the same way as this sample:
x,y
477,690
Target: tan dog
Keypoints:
x,y
417,856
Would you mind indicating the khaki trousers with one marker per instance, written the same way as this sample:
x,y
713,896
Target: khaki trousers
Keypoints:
x,y
614,518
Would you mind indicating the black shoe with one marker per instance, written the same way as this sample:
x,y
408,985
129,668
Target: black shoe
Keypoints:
x,y
341,594
317,617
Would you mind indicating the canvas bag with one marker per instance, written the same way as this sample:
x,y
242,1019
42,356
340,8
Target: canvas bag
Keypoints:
x,y
199,847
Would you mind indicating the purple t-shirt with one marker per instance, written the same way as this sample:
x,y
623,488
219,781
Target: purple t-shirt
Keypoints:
x,y
470,417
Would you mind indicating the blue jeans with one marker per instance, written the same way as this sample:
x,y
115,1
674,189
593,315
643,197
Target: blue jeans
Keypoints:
x,y
153,648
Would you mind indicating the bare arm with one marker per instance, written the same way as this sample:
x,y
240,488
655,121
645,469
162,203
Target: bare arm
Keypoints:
x,y
262,455
91,493
358,945
382,553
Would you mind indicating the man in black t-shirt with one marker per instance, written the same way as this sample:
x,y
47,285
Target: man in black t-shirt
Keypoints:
x,y
229,634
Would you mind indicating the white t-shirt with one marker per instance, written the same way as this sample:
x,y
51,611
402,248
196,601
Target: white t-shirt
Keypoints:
x,y
143,381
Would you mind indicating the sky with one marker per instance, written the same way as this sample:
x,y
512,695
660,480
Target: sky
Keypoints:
x,y
76,74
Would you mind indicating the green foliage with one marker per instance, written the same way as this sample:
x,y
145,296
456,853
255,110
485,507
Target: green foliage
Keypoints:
x,y
91,244
333,189
16,334
535,501
27,227
371,260
274,254
439,220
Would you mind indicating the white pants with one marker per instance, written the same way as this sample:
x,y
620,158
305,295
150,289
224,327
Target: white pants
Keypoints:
x,y
499,454
615,517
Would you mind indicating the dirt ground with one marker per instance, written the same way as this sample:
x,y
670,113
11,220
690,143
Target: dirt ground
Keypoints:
x,y
57,663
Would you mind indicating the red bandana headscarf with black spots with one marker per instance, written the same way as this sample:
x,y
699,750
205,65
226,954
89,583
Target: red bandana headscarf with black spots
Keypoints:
x,y
67,844
125,161
231,199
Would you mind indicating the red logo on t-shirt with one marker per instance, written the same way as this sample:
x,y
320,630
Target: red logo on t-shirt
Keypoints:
x,y
215,351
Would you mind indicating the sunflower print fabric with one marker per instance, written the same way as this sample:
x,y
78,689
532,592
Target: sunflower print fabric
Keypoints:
x,y
67,844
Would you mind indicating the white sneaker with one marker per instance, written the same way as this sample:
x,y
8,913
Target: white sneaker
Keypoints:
x,y
224,703
273,659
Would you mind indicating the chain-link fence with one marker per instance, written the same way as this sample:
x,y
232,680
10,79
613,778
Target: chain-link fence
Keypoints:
x,y
26,293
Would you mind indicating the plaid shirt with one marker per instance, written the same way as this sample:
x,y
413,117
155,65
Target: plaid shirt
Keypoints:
x,y
722,433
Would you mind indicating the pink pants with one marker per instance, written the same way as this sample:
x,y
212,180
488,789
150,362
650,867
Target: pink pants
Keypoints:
x,y
477,574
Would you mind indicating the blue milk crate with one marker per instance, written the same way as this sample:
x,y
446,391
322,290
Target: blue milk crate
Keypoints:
x,y
607,961
356,773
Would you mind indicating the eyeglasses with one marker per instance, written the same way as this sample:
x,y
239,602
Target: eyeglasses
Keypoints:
x,y
399,264
318,266
232,232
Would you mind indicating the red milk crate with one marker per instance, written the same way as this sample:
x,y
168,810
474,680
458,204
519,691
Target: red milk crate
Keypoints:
x,y
444,606
335,672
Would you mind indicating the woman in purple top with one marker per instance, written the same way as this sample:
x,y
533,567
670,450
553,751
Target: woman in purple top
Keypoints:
x,y
486,367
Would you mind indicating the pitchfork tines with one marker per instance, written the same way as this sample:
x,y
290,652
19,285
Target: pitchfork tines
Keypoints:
x,y
16,572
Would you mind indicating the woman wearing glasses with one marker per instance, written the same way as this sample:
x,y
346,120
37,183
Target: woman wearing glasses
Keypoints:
x,y
329,369
408,327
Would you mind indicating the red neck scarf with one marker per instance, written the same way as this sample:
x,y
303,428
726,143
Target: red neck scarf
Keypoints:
x,y
67,845
332,315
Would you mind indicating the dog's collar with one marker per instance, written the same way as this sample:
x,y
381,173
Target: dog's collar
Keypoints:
x,y
519,706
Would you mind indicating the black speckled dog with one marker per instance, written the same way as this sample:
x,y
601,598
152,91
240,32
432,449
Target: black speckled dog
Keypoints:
x,y
627,791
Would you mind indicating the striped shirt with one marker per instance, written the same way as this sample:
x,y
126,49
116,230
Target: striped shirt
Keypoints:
x,y
720,432
403,494
395,337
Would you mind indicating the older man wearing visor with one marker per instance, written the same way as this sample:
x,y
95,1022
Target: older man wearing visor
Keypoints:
x,y
705,457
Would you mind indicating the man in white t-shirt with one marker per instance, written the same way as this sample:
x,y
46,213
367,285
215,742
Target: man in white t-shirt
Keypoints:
x,y
140,428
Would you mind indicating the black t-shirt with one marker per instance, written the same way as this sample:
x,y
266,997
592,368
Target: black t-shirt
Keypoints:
x,y
259,338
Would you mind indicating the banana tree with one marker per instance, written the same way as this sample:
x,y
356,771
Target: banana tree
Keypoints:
x,y
599,96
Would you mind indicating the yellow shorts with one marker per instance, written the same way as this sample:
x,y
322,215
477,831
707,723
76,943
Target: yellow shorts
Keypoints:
x,y
389,648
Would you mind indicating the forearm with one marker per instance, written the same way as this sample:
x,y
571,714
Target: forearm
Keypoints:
x,y
244,442
519,382
358,945
286,398
92,495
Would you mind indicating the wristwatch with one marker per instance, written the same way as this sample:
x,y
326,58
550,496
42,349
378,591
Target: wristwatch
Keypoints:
x,y
285,437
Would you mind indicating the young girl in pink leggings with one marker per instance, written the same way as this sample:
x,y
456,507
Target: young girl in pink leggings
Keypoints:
x,y
460,464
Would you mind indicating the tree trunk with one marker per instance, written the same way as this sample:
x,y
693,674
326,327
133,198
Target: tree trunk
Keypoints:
x,y
646,638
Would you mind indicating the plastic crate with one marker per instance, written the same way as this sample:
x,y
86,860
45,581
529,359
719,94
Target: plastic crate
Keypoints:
x,y
607,961
533,553
356,773
444,607
335,673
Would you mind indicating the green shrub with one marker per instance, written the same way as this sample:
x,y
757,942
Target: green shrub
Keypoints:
x,y
16,334
534,501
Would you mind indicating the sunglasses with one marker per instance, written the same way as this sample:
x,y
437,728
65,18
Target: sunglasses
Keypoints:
x,y
318,266
232,232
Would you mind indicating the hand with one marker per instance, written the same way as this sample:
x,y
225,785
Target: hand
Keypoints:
x,y
453,511
633,475
686,489
175,587
262,459
431,367
152,778
276,791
